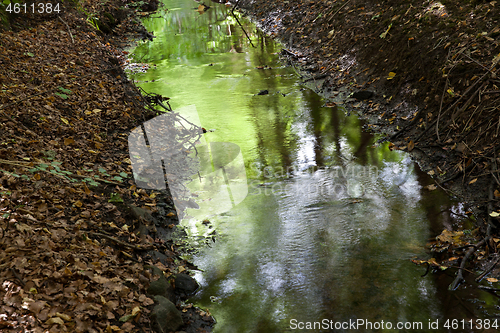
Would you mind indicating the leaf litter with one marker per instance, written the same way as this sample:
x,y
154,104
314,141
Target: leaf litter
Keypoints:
x,y
71,256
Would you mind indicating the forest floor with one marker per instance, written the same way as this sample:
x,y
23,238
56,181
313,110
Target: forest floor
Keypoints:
x,y
426,77
76,233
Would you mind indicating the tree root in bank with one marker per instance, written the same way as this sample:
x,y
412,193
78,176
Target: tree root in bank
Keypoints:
x,y
460,278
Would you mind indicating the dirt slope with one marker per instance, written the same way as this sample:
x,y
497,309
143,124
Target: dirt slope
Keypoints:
x,y
75,231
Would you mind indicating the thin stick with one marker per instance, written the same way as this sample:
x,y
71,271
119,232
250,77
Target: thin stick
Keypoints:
x,y
441,108
67,26
460,278
488,271
454,104
339,10
232,12
135,247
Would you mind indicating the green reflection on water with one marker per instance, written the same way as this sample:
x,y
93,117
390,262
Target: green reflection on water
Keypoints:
x,y
288,250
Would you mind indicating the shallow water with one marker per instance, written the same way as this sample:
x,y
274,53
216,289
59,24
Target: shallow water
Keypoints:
x,y
325,224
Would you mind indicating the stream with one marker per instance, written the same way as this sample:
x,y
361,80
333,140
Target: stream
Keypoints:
x,y
313,221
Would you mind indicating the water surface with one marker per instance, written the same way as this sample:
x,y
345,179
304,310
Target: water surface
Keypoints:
x,y
330,221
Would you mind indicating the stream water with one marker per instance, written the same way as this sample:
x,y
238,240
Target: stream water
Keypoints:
x,y
326,222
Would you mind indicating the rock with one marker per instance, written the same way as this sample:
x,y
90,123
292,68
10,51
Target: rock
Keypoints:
x,y
165,315
142,231
185,284
139,213
362,95
161,287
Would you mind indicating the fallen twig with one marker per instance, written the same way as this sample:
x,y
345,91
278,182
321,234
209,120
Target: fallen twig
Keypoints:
x,y
488,271
452,106
460,278
134,247
67,26
338,10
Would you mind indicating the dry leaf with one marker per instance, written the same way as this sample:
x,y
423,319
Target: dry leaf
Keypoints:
x,y
63,316
411,145
55,320
69,141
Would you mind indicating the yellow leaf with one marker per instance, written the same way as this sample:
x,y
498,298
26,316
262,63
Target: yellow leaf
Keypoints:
x,y
202,8
86,189
384,34
411,145
496,59
54,320
181,269
492,280
78,204
494,214
64,120
63,316
453,237
136,310
391,76
69,141
473,181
